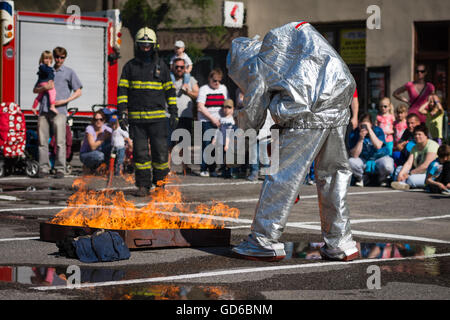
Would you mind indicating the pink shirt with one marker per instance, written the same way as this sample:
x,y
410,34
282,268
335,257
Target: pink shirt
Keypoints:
x,y
386,122
417,99
399,128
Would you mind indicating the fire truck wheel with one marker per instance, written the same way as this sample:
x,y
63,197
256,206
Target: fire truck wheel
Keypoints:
x,y
32,168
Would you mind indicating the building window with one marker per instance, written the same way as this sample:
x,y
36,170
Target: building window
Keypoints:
x,y
377,85
432,43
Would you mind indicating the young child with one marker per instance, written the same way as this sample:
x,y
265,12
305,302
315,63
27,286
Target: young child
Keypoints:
x,y
119,136
435,117
227,127
179,53
438,172
400,124
385,120
46,76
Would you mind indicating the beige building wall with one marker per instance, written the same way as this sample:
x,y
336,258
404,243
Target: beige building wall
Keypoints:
x,y
392,45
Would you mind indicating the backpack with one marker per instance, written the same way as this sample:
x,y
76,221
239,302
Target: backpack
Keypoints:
x,y
102,246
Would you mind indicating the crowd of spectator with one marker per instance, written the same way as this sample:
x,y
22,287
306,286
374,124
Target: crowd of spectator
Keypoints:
x,y
402,147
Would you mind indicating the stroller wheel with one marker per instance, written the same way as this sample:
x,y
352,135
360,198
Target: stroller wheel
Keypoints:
x,y
32,168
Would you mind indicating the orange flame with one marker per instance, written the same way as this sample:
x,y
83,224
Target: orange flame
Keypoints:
x,y
165,210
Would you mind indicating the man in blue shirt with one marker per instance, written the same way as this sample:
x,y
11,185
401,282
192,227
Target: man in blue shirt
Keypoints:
x,y
368,152
68,88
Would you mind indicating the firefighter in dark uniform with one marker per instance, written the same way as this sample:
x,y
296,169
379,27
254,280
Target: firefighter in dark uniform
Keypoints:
x,y
145,88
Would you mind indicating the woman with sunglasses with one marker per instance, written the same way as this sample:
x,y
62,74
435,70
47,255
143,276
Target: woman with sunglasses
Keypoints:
x,y
418,92
96,147
211,98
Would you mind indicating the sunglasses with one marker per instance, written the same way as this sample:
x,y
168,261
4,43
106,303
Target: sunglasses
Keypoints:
x,y
420,71
228,107
99,119
216,81
60,57
179,67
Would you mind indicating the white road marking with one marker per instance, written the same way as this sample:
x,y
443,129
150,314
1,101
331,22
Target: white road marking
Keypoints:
x,y
221,273
304,225
9,198
32,209
355,221
19,239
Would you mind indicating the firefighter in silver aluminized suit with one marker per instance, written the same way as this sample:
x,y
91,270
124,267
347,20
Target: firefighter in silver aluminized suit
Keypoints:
x,y
308,89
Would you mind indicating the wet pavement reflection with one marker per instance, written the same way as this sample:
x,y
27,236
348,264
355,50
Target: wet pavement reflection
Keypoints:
x,y
50,276
54,276
379,251
367,250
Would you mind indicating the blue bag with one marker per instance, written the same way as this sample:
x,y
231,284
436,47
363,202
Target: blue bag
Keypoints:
x,y
102,246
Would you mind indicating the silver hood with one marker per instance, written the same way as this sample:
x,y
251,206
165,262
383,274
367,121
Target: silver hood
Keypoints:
x,y
296,74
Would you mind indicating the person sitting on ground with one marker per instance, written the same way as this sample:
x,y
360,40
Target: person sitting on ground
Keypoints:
x,y
412,174
369,155
435,117
406,142
438,172
96,147
385,120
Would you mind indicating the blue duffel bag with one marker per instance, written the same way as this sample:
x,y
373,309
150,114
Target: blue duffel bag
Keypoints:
x,y
102,246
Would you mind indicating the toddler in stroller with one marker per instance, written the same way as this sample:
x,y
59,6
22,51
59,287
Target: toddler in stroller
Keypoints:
x,y
13,156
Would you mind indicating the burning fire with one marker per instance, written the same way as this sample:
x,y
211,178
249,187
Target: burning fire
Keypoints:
x,y
165,210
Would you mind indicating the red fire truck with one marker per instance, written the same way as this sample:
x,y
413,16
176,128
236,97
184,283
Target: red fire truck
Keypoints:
x,y
92,41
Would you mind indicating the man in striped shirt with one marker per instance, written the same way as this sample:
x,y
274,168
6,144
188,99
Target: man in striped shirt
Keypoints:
x,y
144,90
211,98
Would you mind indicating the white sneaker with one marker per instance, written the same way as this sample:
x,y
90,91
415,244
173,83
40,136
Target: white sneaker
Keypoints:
x,y
360,183
400,185
204,174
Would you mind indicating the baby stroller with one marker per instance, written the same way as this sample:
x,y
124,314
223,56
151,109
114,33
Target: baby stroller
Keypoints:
x,y
53,146
13,157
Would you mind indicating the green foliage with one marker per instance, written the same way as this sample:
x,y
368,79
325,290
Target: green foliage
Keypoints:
x,y
194,52
138,13
217,35
142,13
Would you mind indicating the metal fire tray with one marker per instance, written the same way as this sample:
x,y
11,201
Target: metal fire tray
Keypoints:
x,y
149,238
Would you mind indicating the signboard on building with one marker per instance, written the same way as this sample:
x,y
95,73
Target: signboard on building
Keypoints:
x,y
233,12
353,46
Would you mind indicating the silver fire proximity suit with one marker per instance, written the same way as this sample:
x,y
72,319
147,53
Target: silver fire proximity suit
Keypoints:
x,y
296,74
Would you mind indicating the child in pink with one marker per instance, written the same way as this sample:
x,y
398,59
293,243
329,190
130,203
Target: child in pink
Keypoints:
x,y
46,76
385,120
400,124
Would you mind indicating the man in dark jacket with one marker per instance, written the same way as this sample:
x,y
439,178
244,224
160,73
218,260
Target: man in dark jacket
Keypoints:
x,y
144,90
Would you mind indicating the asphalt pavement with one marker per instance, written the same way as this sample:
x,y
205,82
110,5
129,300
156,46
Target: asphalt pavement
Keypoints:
x,y
404,239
